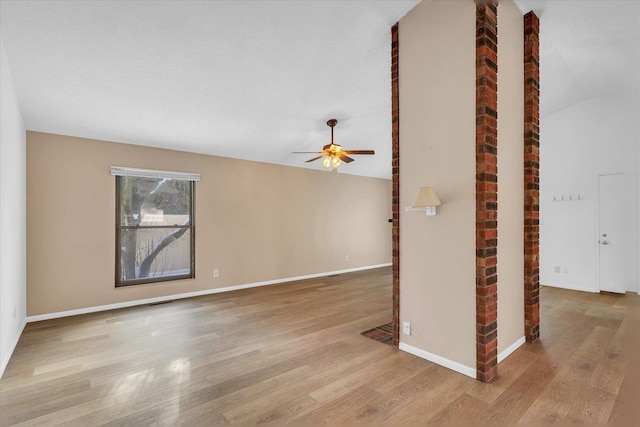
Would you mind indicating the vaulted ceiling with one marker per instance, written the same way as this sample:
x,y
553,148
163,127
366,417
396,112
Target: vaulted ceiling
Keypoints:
x,y
259,79
588,48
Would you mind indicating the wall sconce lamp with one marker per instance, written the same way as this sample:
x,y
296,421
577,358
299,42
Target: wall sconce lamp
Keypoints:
x,y
426,200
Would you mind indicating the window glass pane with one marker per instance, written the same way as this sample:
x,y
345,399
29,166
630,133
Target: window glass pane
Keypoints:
x,y
154,253
154,201
154,229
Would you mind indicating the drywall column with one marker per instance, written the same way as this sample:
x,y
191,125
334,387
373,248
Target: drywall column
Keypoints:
x,y
448,110
486,190
531,178
437,96
395,185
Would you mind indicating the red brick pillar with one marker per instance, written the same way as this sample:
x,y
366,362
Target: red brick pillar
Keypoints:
x,y
486,190
531,178
395,192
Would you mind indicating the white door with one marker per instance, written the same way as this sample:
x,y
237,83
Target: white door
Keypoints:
x,y
617,233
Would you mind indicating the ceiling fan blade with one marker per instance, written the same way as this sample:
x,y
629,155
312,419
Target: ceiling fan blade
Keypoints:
x,y
344,158
359,152
333,153
315,158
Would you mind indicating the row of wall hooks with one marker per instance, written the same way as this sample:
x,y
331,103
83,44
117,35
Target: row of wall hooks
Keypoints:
x,y
567,197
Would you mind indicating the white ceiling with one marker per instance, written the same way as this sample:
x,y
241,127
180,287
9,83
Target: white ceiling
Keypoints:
x,y
588,48
259,79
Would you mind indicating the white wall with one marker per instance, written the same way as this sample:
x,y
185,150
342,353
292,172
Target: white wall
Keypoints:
x,y
12,215
577,144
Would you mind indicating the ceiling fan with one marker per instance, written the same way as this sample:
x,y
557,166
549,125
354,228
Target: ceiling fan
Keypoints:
x,y
333,154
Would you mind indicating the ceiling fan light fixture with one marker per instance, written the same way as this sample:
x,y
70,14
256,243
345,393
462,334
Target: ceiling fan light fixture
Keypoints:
x,y
332,154
331,162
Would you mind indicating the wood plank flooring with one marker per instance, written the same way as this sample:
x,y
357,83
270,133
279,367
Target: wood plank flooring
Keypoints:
x,y
293,354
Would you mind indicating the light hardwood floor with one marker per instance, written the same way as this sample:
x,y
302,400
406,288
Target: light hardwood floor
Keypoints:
x,y
293,353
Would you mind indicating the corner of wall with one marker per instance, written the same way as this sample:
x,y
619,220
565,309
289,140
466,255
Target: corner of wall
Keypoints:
x,y
12,215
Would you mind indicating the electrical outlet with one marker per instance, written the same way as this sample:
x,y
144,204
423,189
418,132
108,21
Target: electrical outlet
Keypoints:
x,y
556,269
565,269
346,257
406,328
216,273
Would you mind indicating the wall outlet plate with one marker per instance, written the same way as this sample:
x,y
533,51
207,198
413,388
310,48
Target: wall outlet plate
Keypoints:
x,y
406,328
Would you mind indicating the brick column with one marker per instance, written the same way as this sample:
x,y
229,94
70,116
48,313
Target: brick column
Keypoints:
x,y
486,189
395,176
531,178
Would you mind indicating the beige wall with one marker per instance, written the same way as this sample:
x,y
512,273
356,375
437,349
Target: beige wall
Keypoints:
x,y
510,175
437,148
255,221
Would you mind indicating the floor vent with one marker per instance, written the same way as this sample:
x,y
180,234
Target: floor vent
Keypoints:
x,y
160,302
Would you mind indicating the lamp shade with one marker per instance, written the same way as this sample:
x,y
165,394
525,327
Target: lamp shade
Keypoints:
x,y
426,197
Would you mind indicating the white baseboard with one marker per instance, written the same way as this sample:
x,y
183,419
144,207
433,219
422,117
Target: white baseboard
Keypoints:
x,y
106,307
513,347
5,360
439,360
455,366
565,286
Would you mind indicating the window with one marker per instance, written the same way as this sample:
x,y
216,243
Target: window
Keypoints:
x,y
154,226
